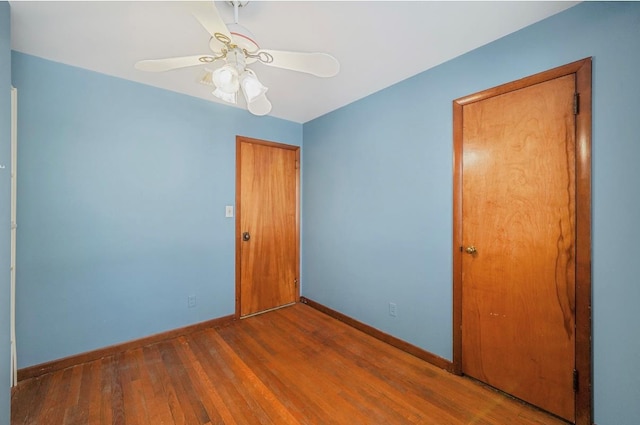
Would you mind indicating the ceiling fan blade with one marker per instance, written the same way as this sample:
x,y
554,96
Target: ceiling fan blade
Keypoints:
x,y
160,65
318,64
207,14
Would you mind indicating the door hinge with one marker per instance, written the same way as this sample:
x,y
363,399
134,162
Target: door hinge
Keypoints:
x,y
576,103
295,282
575,380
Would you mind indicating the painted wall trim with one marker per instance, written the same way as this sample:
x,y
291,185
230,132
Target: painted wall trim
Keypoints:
x,y
14,226
78,359
384,337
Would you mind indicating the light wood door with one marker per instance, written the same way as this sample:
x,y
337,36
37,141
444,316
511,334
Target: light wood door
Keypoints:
x,y
267,226
519,243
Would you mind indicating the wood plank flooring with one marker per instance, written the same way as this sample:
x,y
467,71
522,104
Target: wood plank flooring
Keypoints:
x,y
290,366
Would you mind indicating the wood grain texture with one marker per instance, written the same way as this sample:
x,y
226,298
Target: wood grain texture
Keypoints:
x,y
59,364
294,365
518,296
382,336
584,396
267,201
583,327
457,238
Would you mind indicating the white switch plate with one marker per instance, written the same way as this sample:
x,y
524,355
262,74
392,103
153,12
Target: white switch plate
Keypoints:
x,y
228,211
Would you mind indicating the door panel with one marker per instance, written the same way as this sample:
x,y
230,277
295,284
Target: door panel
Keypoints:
x,y
267,212
518,211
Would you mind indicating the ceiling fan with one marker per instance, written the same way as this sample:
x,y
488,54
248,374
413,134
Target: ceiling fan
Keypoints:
x,y
235,47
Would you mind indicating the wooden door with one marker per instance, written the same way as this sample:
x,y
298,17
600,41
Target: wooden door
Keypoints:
x,y
267,253
518,242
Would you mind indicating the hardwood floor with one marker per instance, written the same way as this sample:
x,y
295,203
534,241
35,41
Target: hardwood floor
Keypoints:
x,y
290,366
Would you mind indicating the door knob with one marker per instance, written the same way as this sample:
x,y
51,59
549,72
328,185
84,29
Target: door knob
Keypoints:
x,y
246,236
471,250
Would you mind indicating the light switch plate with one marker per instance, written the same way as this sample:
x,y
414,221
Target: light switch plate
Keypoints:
x,y
228,211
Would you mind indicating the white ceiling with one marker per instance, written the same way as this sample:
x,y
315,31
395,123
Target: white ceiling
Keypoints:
x,y
378,43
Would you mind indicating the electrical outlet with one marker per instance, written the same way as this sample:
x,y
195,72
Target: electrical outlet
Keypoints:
x,y
191,301
393,309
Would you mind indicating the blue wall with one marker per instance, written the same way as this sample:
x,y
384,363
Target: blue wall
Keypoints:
x,y
123,187
121,204
378,193
5,209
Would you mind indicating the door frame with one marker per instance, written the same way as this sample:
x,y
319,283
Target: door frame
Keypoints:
x,y
238,228
583,294
14,229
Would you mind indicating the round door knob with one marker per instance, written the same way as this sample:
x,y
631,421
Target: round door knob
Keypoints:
x,y
471,250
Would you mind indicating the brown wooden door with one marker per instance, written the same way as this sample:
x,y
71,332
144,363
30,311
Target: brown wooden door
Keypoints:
x,y
266,225
519,241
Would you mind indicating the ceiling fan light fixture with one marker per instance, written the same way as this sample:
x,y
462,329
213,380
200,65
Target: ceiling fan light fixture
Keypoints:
x,y
227,97
252,88
260,106
226,79
207,77
235,46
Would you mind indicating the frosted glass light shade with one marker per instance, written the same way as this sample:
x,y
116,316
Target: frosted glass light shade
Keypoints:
x,y
227,97
260,106
226,79
252,88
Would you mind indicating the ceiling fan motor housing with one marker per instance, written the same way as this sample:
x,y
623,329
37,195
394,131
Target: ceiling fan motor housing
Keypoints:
x,y
240,36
